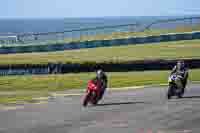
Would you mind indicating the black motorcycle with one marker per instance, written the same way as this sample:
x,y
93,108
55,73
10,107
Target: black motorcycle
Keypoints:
x,y
175,86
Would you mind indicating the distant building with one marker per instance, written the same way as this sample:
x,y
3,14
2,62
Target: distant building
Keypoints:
x,y
8,39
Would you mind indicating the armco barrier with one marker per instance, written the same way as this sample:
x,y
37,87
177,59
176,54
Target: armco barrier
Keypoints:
x,y
196,35
101,43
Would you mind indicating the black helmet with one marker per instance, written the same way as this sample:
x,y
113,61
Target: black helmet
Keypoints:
x,y
180,64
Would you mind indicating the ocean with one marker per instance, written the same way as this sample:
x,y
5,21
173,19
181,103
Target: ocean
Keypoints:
x,y
64,24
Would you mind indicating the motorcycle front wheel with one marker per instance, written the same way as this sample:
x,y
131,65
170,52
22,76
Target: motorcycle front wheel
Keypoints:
x,y
86,99
170,92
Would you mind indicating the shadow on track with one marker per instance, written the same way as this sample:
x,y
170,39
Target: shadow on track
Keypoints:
x,y
191,97
122,103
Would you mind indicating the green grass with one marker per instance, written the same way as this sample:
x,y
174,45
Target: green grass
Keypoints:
x,y
163,50
21,95
26,87
14,98
45,83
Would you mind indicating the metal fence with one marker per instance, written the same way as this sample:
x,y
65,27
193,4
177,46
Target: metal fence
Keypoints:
x,y
174,23
163,26
32,39
100,33
103,32
41,37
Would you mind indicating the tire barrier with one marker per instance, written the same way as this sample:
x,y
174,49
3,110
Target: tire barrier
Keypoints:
x,y
25,69
101,43
59,68
141,65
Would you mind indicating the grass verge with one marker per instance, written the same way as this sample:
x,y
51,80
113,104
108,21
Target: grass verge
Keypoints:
x,y
19,96
23,87
15,98
163,50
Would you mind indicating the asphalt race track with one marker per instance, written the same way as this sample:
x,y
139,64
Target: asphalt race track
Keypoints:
x,y
130,111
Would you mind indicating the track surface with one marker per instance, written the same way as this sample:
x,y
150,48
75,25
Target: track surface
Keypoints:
x,y
129,111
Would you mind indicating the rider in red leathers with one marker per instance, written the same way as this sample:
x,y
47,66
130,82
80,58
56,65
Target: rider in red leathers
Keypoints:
x,y
101,76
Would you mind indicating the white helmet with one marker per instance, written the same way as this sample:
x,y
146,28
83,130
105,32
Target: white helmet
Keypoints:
x,y
99,73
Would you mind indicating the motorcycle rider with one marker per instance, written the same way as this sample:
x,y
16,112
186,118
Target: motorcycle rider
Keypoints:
x,y
180,69
100,75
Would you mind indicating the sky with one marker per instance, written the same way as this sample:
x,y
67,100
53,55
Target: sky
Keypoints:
x,y
96,8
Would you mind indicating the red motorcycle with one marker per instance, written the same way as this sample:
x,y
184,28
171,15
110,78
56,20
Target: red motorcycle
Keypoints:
x,y
92,93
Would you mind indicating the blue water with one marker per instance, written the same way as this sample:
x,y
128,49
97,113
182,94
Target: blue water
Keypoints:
x,y
31,25
59,25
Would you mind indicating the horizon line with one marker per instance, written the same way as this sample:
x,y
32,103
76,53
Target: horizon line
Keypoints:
x,y
174,15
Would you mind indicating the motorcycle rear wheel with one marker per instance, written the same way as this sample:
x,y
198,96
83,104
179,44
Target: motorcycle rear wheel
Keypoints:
x,y
95,100
180,95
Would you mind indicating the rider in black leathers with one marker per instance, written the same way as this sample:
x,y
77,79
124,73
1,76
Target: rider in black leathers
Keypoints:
x,y
180,69
100,75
